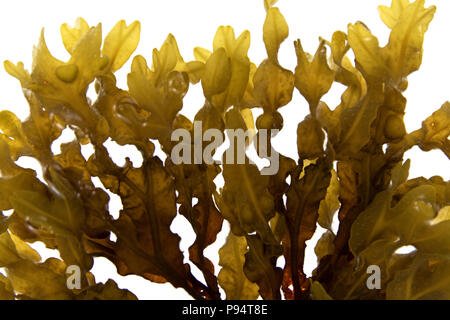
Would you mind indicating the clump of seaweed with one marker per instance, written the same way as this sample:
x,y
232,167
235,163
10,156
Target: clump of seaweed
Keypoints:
x,y
341,169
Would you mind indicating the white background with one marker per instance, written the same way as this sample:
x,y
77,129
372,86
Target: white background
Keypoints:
x,y
193,23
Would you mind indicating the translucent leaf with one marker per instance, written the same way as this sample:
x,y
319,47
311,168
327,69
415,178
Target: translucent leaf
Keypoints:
x,y
325,245
231,277
107,291
427,278
120,43
436,129
12,134
236,50
18,71
400,174
236,86
409,220
123,116
46,281
195,70
303,202
248,99
313,78
148,199
12,250
339,46
86,56
71,36
391,15
6,290
273,85
141,84
217,74
245,201
367,50
62,215
260,267
62,86
356,121
46,124
225,38
404,50
158,92
44,64
167,59
310,139
318,292
443,215
193,181
329,205
201,54
269,3
275,31
24,250
23,180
